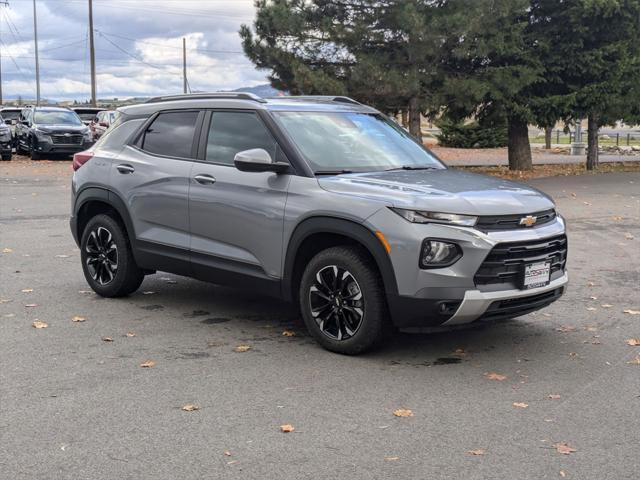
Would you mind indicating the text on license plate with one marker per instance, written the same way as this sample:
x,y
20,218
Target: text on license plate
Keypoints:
x,y
537,274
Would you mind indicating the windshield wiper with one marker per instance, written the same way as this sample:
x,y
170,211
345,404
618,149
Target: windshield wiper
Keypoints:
x,y
410,167
332,172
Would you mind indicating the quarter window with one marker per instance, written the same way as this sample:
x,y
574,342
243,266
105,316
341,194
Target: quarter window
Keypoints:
x,y
233,132
171,134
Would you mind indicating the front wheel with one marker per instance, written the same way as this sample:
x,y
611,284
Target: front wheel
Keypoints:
x,y
35,155
342,301
107,259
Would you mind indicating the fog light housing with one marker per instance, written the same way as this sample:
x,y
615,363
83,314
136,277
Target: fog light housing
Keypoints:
x,y
439,253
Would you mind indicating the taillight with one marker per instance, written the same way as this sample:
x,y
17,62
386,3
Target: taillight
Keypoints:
x,y
80,159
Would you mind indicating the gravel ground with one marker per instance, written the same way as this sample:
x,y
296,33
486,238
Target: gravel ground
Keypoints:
x,y
74,405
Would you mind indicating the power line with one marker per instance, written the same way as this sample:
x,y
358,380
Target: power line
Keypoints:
x,y
170,46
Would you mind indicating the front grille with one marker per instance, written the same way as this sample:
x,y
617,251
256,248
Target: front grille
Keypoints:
x,y
512,222
66,140
515,307
504,265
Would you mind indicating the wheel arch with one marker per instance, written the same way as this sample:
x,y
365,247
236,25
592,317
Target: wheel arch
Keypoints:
x,y
318,233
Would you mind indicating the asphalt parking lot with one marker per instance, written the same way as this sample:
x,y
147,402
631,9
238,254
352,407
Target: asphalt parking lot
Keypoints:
x,y
495,402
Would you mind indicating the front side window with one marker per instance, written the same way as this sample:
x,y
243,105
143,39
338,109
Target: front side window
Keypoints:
x,y
171,134
353,141
56,118
233,132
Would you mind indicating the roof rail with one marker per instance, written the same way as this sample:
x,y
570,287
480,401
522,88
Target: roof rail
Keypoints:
x,y
330,98
205,96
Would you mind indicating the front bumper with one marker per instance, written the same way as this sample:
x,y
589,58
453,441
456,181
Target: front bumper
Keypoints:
x,y
44,146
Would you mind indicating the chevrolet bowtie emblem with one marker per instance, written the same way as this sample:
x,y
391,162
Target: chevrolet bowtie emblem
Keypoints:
x,y
528,221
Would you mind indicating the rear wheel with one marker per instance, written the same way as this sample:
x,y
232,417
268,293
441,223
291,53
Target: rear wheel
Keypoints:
x,y
6,157
107,259
342,301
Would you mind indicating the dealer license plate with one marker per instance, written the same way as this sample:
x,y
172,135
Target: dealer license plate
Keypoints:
x,y
536,275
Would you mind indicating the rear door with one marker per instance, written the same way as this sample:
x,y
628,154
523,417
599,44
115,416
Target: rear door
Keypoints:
x,y
152,177
236,217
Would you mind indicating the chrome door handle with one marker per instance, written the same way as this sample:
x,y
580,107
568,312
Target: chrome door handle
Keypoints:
x,y
124,168
205,179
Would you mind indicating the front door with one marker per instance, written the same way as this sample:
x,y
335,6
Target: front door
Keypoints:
x,y
236,217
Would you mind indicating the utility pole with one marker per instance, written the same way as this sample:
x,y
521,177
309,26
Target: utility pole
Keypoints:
x,y
92,55
184,65
35,38
6,4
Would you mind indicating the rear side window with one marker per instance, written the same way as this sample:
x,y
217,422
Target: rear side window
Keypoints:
x,y
233,132
171,134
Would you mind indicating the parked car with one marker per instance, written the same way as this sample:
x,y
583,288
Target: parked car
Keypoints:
x,y
101,122
6,140
11,116
87,114
45,130
321,201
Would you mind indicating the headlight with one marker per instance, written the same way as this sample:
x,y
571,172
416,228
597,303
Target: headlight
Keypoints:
x,y
419,216
41,135
439,253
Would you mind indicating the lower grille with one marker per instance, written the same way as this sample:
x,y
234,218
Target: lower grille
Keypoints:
x,y
66,140
515,307
505,263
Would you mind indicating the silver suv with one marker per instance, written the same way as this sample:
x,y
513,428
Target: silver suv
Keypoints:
x,y
317,200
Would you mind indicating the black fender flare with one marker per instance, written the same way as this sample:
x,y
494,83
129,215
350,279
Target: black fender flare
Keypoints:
x,y
340,226
103,195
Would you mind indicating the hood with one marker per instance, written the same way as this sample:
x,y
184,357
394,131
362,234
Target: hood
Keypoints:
x,y
447,190
62,128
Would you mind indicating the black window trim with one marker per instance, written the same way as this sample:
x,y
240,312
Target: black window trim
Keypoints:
x,y
136,140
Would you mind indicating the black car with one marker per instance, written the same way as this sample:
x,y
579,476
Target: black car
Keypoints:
x,y
44,130
87,114
6,140
10,116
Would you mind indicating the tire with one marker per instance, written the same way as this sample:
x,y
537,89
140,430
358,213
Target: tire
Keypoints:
x,y
99,255
6,157
19,150
34,155
362,320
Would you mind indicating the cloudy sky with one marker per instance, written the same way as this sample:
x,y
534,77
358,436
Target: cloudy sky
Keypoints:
x,y
138,47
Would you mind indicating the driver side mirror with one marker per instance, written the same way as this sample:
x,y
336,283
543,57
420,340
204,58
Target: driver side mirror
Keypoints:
x,y
258,160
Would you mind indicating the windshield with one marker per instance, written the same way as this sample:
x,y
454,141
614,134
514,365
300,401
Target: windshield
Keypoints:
x,y
350,141
10,114
87,116
56,118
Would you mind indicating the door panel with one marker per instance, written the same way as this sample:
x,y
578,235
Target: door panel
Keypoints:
x,y
237,218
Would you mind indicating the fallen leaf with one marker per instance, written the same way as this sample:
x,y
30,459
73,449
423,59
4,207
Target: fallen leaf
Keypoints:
x,y
62,256
403,412
107,339
631,312
227,453
617,218
477,451
591,284
573,354
31,305
593,298
85,291
495,376
39,324
564,448
562,474
286,428
4,300
148,292
7,250
189,407
391,459
586,203
634,342
591,309
78,319
635,361
242,348
288,333
606,305
520,404
628,236
566,328
27,290
131,334
148,364
592,329
554,397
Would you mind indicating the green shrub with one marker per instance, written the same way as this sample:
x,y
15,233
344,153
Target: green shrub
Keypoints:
x,y
472,135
